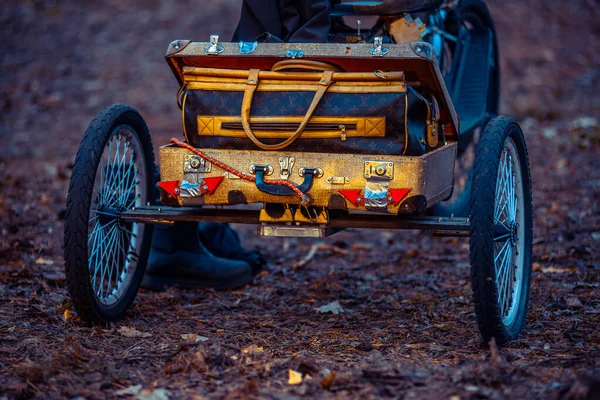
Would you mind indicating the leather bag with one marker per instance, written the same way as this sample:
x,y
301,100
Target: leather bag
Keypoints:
x,y
308,106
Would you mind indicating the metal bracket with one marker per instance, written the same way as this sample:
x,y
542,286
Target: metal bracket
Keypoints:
x,y
378,50
193,163
247,47
176,46
423,49
319,172
214,47
268,170
295,53
338,180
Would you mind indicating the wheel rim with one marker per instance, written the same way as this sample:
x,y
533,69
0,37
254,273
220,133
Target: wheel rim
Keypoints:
x,y
114,246
509,249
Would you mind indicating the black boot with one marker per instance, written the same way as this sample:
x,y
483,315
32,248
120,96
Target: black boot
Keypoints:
x,y
178,258
224,242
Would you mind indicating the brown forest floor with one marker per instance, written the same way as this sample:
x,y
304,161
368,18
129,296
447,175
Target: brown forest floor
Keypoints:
x,y
408,328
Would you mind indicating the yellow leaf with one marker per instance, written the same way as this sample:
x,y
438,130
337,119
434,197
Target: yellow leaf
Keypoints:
x,y
252,349
67,314
295,377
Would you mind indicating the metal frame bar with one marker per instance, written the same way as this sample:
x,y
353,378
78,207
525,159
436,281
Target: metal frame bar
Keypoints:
x,y
446,226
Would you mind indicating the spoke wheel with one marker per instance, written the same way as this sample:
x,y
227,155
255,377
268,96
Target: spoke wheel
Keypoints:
x,y
105,257
501,231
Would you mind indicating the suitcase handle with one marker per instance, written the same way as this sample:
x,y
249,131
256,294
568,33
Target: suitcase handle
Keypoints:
x,y
280,190
251,85
307,65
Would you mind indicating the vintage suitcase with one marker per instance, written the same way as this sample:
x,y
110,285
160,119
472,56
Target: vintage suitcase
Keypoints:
x,y
365,116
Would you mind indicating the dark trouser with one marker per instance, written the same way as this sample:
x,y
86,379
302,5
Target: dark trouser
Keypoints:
x,y
288,20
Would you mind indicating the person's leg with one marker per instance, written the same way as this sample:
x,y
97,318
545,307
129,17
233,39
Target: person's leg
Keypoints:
x,y
223,241
179,258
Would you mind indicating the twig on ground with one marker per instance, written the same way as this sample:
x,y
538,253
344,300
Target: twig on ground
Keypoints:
x,y
313,250
162,355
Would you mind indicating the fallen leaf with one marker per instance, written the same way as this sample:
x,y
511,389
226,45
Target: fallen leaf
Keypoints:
x,y
155,394
193,337
536,267
328,381
583,123
252,349
44,261
67,315
574,302
334,307
295,377
412,253
129,391
132,332
554,270
199,361
550,132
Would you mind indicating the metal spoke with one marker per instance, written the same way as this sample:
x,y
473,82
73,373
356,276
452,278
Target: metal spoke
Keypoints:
x,y
104,265
506,246
507,261
125,180
120,184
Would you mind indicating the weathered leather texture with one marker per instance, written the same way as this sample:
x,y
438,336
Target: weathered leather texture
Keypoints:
x,y
292,103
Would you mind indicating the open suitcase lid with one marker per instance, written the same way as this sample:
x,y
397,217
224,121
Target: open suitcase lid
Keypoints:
x,y
416,60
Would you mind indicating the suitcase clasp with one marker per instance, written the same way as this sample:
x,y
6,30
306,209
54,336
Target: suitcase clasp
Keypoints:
x,y
214,47
286,164
378,50
295,53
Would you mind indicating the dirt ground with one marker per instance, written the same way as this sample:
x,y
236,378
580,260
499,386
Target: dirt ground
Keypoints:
x,y
406,328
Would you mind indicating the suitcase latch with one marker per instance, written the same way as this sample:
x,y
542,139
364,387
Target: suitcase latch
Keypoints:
x,y
214,47
378,50
295,53
247,47
286,164
379,169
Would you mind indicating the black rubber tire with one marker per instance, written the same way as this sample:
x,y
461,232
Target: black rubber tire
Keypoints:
x,y
467,8
79,200
483,195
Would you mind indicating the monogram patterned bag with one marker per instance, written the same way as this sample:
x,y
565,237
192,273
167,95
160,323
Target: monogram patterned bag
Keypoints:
x,y
305,106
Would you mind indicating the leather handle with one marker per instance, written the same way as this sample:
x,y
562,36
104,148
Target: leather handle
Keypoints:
x,y
305,65
251,85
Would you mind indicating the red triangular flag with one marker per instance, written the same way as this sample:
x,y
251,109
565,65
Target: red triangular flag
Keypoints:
x,y
352,195
213,183
397,195
171,187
